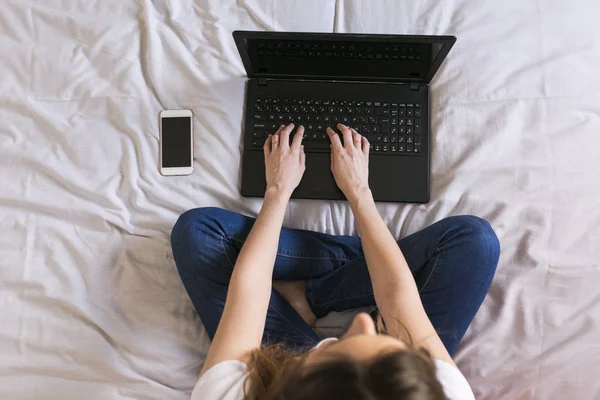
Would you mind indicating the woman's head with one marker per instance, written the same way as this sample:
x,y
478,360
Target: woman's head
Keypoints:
x,y
362,365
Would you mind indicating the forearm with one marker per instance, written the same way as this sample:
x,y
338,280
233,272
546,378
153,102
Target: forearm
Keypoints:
x,y
243,320
394,287
253,271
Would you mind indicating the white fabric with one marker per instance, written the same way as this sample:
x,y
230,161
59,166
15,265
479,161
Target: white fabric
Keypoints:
x,y
225,381
90,300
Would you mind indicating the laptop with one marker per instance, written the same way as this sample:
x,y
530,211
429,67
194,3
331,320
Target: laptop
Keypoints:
x,y
377,84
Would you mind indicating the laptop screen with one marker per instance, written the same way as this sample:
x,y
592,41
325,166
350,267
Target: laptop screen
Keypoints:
x,y
341,56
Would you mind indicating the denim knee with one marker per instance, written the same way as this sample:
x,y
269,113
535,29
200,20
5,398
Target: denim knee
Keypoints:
x,y
193,237
480,237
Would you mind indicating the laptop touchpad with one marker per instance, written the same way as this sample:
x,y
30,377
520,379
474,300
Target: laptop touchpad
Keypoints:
x,y
318,181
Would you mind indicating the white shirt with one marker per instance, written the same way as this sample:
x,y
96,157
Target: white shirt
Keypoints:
x,y
225,381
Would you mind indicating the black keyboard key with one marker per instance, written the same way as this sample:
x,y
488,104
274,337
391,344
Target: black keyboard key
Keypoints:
x,y
409,148
364,120
416,148
409,130
401,138
401,121
402,112
417,140
273,126
354,120
417,113
259,117
365,129
260,125
402,130
393,148
257,143
385,148
271,117
345,120
373,120
377,147
368,111
381,111
409,121
385,138
377,104
393,138
409,112
417,122
375,128
258,134
394,130
409,139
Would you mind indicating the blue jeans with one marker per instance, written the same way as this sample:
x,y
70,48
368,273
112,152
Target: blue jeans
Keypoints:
x,y
453,262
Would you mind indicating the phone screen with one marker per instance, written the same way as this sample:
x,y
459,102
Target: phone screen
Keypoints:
x,y
176,142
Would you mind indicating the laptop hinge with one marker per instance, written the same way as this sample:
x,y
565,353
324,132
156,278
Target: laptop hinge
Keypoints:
x,y
262,81
414,86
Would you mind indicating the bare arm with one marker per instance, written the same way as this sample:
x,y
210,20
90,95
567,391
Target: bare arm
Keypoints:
x,y
243,321
394,287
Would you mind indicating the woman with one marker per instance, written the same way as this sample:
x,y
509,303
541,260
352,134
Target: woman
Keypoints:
x,y
258,289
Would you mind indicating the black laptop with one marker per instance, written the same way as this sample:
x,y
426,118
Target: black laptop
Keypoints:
x,y
377,84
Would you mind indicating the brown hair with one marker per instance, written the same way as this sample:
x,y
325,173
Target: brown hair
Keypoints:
x,y
279,374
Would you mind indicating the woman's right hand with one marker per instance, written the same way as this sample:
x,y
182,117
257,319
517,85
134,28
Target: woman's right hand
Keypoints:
x,y
350,162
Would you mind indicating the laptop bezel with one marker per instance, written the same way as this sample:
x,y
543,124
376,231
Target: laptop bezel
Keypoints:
x,y
240,37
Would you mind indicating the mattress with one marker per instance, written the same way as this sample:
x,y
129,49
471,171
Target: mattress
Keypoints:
x,y
90,301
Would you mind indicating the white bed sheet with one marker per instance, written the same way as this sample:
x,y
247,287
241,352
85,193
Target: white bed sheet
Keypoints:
x,y
90,301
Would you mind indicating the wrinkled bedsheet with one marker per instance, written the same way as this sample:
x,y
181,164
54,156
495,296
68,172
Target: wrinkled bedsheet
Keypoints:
x,y
91,305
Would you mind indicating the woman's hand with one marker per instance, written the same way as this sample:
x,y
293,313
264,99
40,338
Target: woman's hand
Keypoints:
x,y
350,162
284,163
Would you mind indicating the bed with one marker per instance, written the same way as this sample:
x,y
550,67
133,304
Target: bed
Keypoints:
x,y
90,301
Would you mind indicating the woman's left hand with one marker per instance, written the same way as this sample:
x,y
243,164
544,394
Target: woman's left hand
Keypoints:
x,y
284,162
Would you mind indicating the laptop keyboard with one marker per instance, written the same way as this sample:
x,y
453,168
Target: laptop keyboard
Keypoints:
x,y
391,128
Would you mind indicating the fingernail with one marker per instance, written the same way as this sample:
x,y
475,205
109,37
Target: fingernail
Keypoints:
x,y
291,124
342,125
282,126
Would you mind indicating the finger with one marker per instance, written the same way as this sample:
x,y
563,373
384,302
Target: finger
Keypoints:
x,y
297,140
357,138
284,137
302,156
267,146
336,143
347,133
366,146
278,131
275,138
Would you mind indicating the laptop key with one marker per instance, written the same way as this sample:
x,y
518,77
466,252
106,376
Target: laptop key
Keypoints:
x,y
416,148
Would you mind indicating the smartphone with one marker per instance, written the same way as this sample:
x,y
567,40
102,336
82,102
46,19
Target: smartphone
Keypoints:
x,y
176,142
